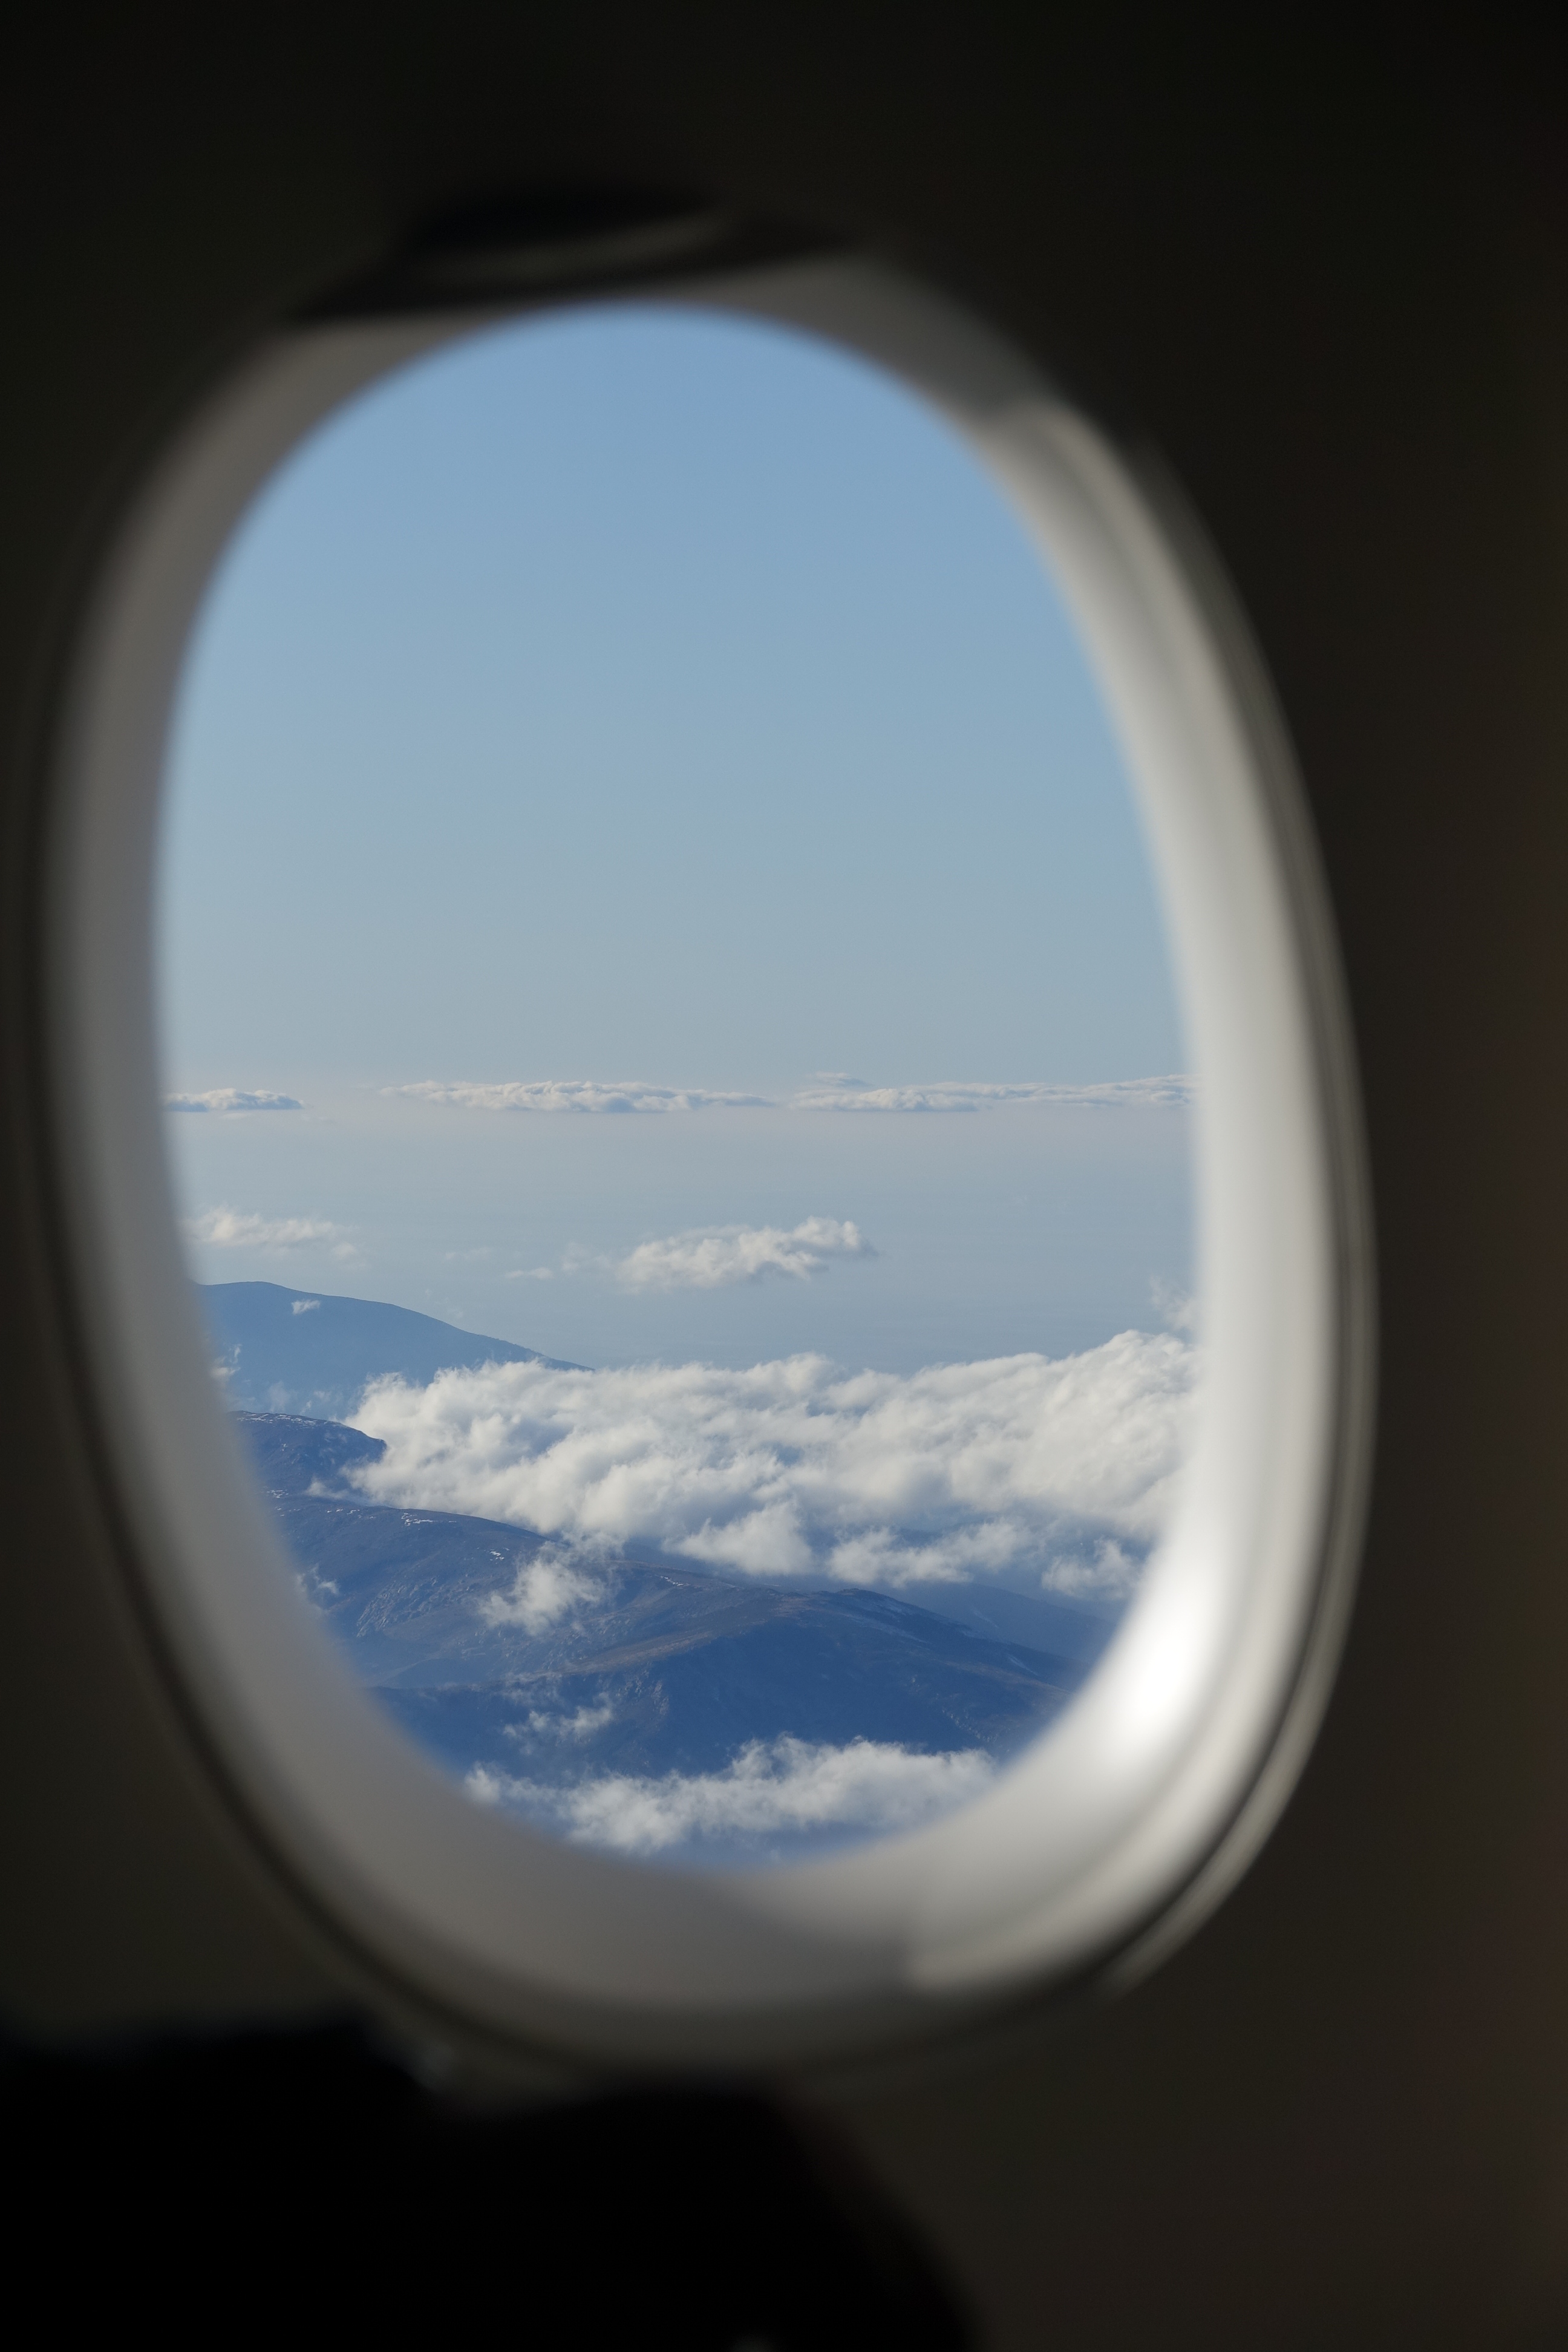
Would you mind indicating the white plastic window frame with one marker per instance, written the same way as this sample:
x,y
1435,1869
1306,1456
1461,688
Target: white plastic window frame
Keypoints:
x,y
1117,1832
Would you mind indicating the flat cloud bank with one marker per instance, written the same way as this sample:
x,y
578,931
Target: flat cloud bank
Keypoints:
x,y
626,1095
230,1098
833,1091
1053,1474
965,1095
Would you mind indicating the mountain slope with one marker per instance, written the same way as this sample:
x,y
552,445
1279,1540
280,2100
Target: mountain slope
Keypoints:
x,y
499,1654
310,1352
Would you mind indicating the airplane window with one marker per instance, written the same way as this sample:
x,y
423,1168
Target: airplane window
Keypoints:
x,y
675,1084
711,1166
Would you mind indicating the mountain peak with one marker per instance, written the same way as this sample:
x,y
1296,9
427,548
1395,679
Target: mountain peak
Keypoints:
x,y
312,1353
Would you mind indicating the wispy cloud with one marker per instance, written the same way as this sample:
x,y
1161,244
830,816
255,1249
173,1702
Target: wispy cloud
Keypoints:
x,y
304,1305
1043,1471
771,1788
545,1588
224,1228
225,1099
714,1256
834,1092
574,1095
581,1723
1177,1309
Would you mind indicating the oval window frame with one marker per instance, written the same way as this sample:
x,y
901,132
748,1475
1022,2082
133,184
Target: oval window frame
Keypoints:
x,y
1118,1832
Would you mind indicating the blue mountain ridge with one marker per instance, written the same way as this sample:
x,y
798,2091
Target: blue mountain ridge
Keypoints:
x,y
652,1669
311,1353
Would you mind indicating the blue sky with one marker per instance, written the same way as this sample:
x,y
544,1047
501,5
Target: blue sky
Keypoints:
x,y
641,695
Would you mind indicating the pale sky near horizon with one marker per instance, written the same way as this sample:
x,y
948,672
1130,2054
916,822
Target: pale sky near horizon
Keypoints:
x,y
646,696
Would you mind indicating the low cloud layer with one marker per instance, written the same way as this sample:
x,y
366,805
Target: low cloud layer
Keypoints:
x,y
222,1098
574,1095
715,1256
783,1787
1054,1473
835,1093
224,1228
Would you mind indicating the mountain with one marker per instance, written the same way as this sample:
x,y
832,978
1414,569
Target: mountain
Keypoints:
x,y
308,1352
1069,1627
499,1654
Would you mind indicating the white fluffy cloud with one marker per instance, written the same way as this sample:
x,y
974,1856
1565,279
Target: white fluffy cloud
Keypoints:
x,y
221,1098
717,1255
1042,1471
574,1095
769,1788
224,1228
835,1092
545,1588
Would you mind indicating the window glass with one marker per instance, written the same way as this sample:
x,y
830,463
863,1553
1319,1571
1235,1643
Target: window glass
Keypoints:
x,y
675,1090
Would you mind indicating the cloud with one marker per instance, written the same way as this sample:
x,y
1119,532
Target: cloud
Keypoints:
x,y
1177,1309
836,1092
224,1228
830,1090
1109,1573
574,1094
580,1725
221,1098
769,1788
717,1255
1019,1468
544,1589
531,1274
304,1305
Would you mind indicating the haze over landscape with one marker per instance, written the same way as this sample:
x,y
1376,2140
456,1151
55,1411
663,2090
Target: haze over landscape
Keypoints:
x,y
668,1039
